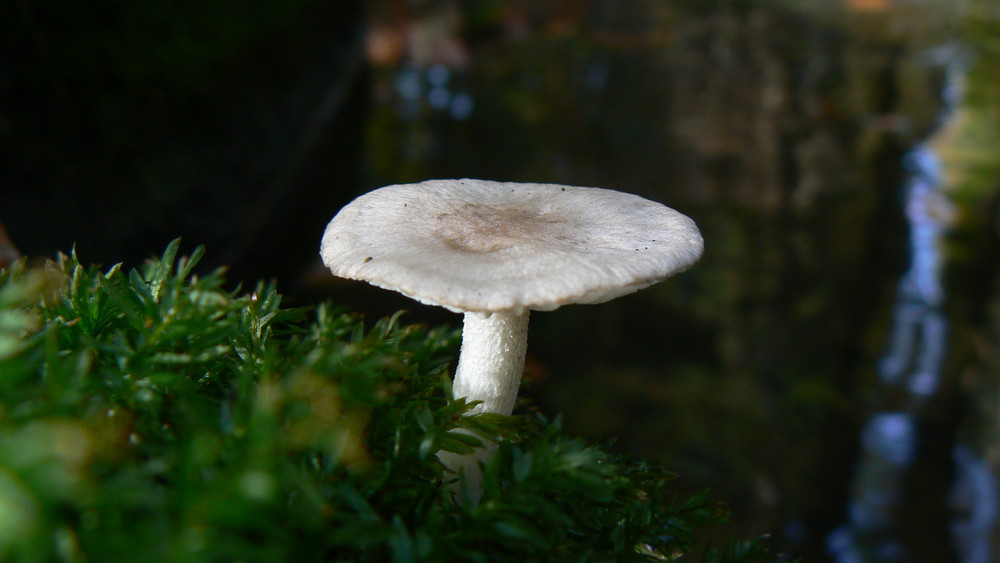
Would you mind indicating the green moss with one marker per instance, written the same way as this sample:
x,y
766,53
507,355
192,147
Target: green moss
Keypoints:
x,y
152,415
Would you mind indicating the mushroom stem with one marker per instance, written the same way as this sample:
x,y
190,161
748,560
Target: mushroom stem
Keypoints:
x,y
490,366
492,360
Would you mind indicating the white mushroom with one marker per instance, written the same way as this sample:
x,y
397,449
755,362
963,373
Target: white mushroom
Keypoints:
x,y
496,250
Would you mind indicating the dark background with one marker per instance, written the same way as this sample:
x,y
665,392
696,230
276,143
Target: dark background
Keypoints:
x,y
235,125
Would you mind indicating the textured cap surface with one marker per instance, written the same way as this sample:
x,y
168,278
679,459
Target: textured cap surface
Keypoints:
x,y
477,245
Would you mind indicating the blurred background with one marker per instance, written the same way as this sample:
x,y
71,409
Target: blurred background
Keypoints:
x,y
832,366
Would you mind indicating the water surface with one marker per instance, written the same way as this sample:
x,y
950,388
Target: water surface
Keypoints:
x,y
804,370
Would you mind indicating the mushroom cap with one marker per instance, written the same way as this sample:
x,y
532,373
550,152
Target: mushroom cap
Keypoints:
x,y
484,246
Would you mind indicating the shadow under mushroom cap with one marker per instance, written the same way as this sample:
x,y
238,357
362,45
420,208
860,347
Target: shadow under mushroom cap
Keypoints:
x,y
477,245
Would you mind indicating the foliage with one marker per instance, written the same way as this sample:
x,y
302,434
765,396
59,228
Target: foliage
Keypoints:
x,y
153,415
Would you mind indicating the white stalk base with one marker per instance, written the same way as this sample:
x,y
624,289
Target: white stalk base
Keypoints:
x,y
492,360
489,370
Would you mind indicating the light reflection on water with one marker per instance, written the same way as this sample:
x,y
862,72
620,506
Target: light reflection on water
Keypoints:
x,y
890,439
431,88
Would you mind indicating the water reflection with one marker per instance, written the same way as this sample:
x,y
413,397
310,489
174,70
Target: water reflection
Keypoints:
x,y
788,134
912,366
433,88
974,499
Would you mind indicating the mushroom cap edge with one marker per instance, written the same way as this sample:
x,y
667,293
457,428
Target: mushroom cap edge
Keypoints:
x,y
485,246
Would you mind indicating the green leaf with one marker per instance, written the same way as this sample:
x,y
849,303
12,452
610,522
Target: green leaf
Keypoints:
x,y
162,268
186,264
120,291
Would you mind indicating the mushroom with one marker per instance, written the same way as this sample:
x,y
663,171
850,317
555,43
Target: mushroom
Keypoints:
x,y
497,250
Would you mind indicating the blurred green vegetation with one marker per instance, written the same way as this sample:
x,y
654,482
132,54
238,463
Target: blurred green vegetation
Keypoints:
x,y
972,163
152,415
